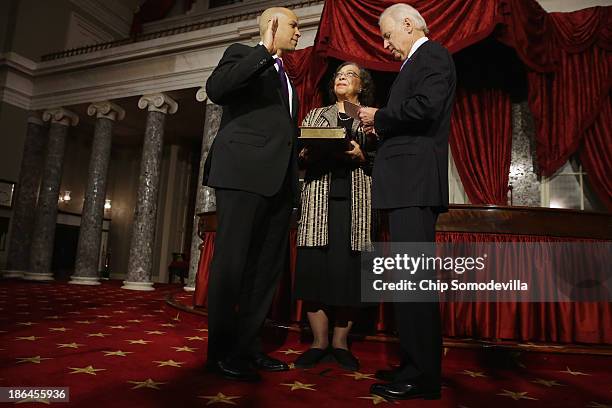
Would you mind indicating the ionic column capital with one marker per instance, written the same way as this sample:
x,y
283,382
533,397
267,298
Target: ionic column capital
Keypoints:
x,y
201,95
35,118
106,109
61,116
158,102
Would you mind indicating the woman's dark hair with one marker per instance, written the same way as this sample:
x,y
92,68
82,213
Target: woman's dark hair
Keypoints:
x,y
366,96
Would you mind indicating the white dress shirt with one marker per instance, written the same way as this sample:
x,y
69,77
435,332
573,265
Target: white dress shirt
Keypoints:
x,y
288,82
415,47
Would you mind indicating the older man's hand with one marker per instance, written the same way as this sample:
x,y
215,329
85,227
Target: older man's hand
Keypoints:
x,y
366,116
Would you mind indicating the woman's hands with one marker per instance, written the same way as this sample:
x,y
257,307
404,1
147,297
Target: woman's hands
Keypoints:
x,y
355,154
311,154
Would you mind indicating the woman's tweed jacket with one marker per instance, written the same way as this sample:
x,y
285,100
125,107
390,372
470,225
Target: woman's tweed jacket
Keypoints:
x,y
312,225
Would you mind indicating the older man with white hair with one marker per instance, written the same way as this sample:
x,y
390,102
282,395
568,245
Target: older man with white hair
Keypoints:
x,y
409,182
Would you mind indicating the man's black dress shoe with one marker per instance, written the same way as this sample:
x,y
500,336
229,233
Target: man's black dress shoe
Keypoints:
x,y
264,362
387,375
234,369
403,391
346,359
311,357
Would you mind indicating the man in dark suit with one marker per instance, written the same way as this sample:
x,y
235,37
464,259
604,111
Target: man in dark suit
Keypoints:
x,y
252,166
410,182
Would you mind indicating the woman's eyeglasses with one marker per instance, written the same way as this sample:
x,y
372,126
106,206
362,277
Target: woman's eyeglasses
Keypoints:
x,y
349,74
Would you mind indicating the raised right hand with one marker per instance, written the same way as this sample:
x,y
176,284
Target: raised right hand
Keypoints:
x,y
270,34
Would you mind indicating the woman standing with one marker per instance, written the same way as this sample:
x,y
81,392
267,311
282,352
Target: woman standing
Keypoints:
x,y
335,222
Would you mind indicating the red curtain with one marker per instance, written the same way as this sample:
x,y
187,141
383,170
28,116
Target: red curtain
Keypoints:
x,y
481,143
306,68
569,322
348,30
206,252
567,56
596,154
563,322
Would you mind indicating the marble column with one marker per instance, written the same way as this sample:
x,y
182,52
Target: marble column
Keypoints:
x,y
523,171
205,196
143,229
41,251
90,232
26,193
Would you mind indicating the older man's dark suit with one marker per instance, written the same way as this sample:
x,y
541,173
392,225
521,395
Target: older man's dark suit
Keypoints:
x,y
410,181
252,167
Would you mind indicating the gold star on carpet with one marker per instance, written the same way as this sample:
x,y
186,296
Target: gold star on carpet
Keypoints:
x,y
116,327
69,345
569,371
97,335
202,330
54,317
84,322
168,324
219,398
85,370
39,400
134,321
195,338
35,360
155,332
139,341
117,353
594,404
547,383
360,376
147,315
376,399
148,383
290,351
119,311
474,374
169,363
300,386
185,348
58,329
29,338
516,395
103,316
26,323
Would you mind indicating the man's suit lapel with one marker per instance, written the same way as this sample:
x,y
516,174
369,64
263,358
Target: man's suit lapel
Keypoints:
x,y
407,67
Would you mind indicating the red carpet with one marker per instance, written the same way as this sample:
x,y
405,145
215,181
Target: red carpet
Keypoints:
x,y
119,348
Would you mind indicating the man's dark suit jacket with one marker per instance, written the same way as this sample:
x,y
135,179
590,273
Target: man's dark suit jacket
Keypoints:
x,y
411,166
256,140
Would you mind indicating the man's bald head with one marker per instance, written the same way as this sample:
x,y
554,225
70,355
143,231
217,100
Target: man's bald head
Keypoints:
x,y
270,13
287,33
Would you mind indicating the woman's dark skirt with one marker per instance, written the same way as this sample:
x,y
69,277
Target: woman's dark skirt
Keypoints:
x,y
331,275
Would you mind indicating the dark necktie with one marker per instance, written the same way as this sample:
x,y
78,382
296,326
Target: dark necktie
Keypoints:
x,y
283,78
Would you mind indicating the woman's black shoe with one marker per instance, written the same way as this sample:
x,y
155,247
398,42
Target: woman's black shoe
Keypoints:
x,y
311,357
346,359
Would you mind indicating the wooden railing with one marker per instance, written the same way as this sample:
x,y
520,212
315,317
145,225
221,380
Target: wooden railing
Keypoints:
x,y
502,220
